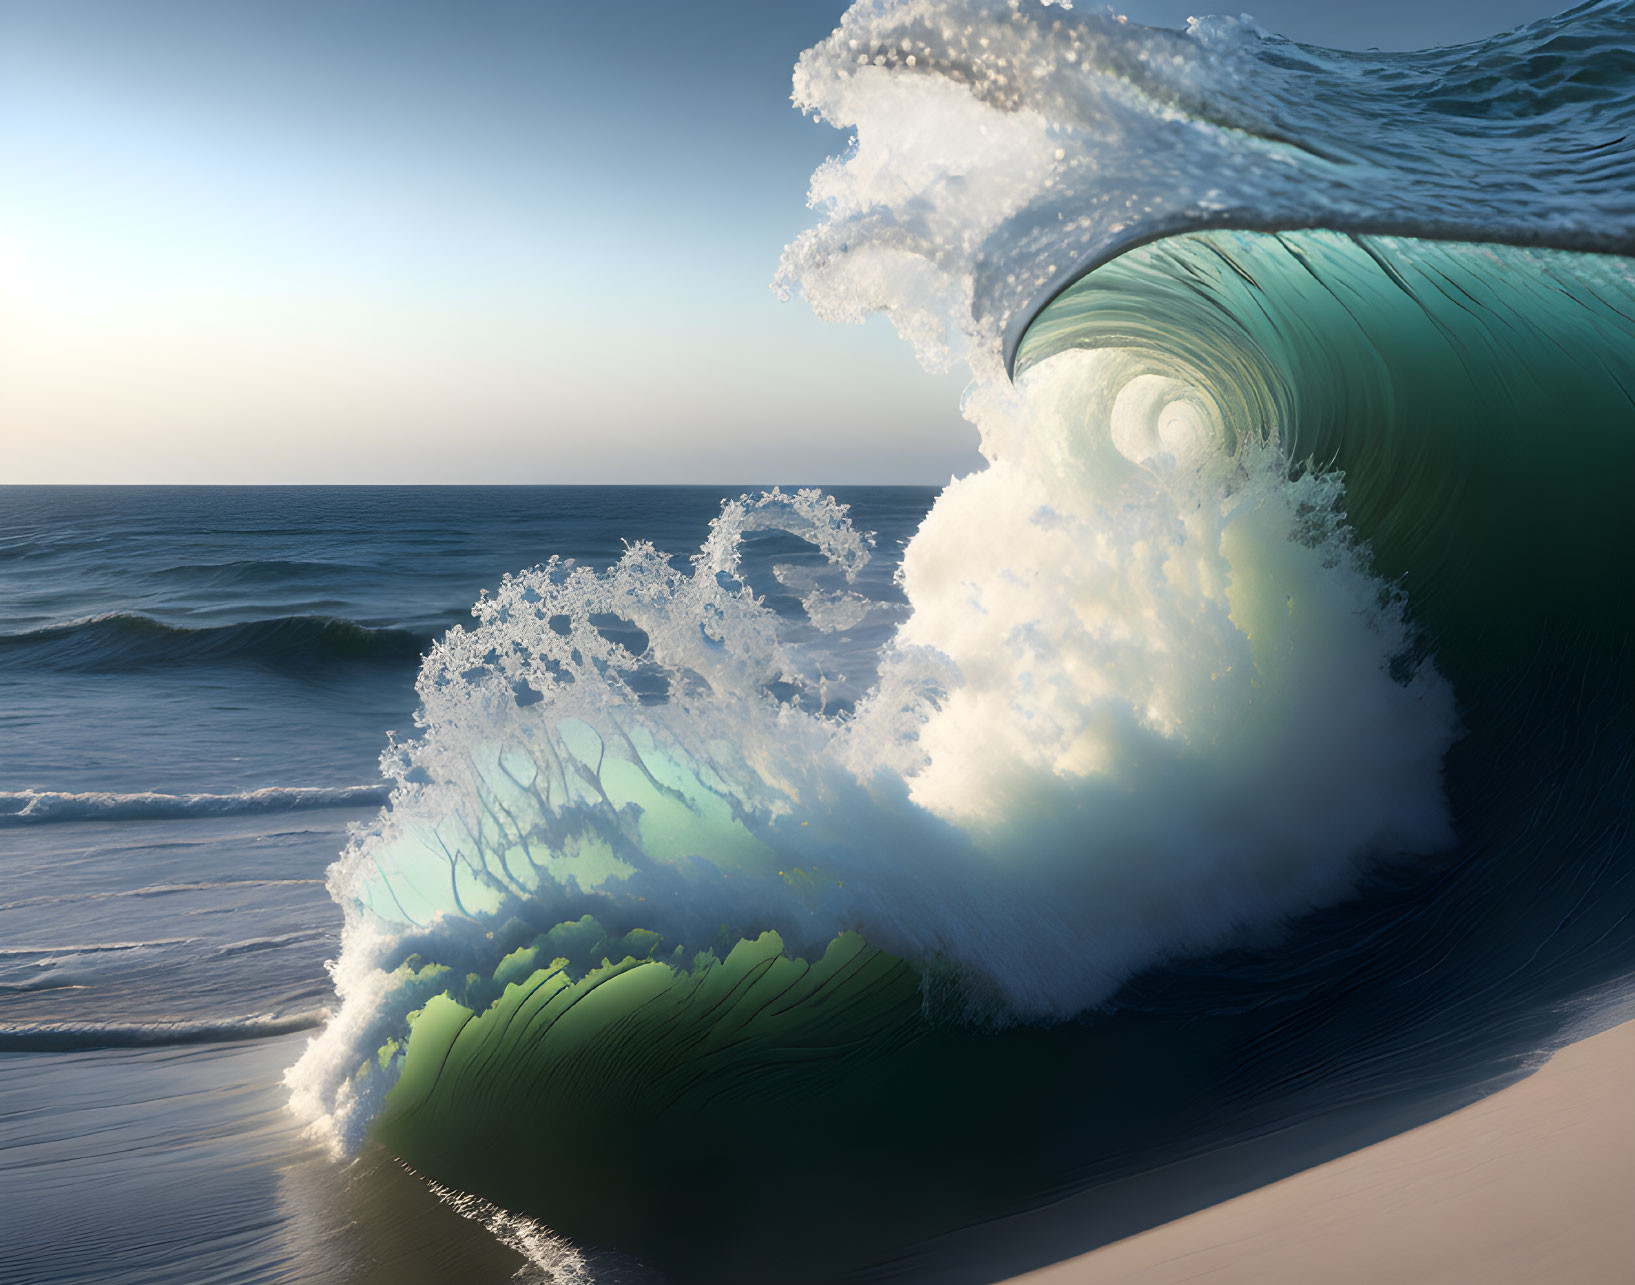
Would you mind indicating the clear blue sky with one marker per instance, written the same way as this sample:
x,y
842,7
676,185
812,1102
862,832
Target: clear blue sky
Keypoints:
x,y
474,240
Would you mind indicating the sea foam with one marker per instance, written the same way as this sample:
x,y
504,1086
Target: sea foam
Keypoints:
x,y
35,807
1144,704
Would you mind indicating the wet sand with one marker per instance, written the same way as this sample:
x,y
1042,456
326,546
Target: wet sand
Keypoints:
x,y
1533,1184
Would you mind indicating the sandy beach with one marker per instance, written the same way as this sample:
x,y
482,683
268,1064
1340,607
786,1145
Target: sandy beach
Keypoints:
x,y
1533,1184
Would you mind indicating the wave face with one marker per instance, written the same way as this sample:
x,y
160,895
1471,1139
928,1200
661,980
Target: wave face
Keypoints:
x,y
1252,747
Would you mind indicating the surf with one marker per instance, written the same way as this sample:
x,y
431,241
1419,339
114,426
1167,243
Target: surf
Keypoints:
x,y
124,642
1255,713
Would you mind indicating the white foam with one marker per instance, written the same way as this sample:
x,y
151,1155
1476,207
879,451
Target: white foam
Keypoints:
x,y
551,1259
29,807
40,1037
1142,706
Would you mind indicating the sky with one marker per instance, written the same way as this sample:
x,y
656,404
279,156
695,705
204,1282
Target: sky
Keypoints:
x,y
405,241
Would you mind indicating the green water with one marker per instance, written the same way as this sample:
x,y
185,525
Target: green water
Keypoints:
x,y
741,1107
1479,399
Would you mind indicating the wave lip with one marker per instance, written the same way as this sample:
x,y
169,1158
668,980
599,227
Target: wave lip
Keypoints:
x,y
123,641
34,807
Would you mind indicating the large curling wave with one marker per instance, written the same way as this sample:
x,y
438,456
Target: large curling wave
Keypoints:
x,y
1283,622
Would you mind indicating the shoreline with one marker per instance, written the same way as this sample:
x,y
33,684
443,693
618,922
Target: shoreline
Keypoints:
x,y
1530,1184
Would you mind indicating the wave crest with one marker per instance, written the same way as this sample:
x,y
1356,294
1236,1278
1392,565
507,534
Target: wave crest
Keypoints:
x,y
35,807
1004,149
1060,778
125,641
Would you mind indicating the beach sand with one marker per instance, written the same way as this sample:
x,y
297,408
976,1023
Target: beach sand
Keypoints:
x,y
1534,1184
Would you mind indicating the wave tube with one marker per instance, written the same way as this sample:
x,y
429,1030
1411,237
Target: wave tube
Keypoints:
x,y
36,807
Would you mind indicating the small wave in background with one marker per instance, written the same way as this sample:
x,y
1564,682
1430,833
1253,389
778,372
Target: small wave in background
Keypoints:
x,y
113,644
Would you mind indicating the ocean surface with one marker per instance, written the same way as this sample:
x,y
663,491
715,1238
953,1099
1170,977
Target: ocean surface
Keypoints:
x,y
197,684
732,884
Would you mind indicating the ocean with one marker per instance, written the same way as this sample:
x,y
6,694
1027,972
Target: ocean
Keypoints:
x,y
741,884
198,683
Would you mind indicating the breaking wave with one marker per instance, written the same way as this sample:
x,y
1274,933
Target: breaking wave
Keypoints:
x,y
1283,591
73,1037
122,642
35,807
